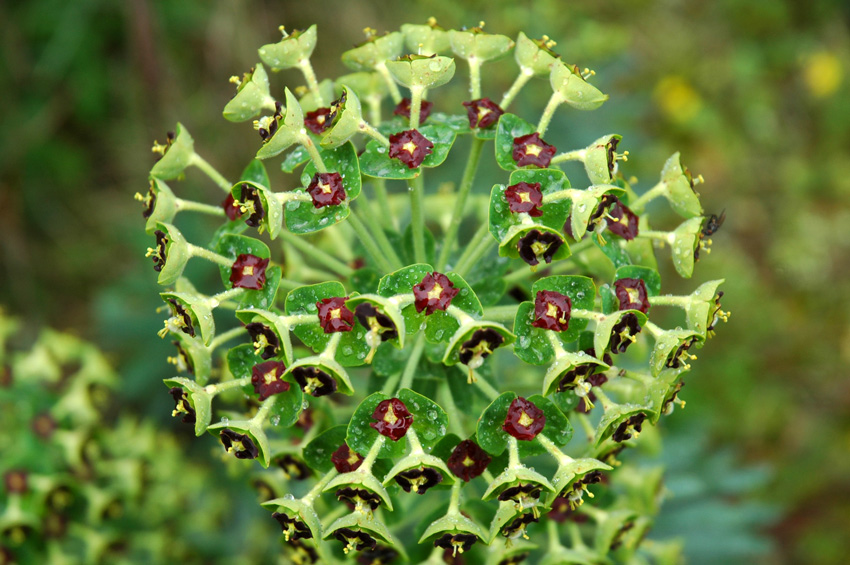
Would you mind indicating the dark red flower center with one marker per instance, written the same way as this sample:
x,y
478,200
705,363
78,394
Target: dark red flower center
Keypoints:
x,y
524,420
531,150
525,198
622,221
326,189
434,292
334,316
249,271
482,113
345,460
231,208
410,147
468,460
552,311
267,379
632,294
317,121
393,419
403,109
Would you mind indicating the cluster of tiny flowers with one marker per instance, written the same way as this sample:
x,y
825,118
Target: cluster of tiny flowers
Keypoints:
x,y
336,294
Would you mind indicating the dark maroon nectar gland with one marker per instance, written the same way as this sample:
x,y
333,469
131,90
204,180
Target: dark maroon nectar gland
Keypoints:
x,y
434,292
403,109
525,198
537,245
326,190
334,316
265,341
552,311
345,460
623,333
231,208
292,528
468,460
632,294
393,419
314,381
482,113
240,445
524,420
622,221
531,150
250,203
473,351
267,379
249,271
318,120
158,253
410,147
419,479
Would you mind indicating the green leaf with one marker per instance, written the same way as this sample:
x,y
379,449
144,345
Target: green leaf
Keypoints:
x,y
164,205
288,130
288,406
678,190
650,277
459,124
361,436
479,45
427,72
490,290
252,96
256,172
429,419
602,335
294,159
491,437
295,508
290,50
701,308
510,126
685,241
574,89
177,254
241,360
530,55
303,217
533,343
317,453
177,158
613,248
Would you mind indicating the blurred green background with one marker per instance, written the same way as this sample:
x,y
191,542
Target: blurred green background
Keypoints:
x,y
755,94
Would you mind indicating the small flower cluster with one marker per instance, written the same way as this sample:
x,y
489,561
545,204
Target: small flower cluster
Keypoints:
x,y
334,299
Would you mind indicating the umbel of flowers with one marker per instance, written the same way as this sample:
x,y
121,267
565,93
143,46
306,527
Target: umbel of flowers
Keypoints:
x,y
362,347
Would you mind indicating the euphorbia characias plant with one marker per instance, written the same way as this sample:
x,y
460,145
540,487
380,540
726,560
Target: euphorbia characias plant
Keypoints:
x,y
390,355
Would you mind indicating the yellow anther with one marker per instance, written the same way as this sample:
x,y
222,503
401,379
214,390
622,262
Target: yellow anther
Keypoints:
x,y
432,21
301,90
481,24
159,148
235,80
282,30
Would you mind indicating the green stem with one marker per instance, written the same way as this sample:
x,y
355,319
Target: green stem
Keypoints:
x,y
381,237
670,300
585,424
667,237
412,362
556,344
513,453
559,456
415,105
330,349
576,155
313,251
373,133
393,87
653,329
460,202
264,410
218,388
387,218
521,79
320,486
220,297
640,203
554,537
485,387
554,101
478,250
474,77
366,467
197,251
307,69
369,243
462,317
226,336
210,171
582,314
193,206
448,403
308,144
415,445
288,284
481,235
501,313
454,501
417,217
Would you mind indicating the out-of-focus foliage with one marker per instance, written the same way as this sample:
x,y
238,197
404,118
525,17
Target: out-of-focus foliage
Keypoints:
x,y
84,482
753,93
